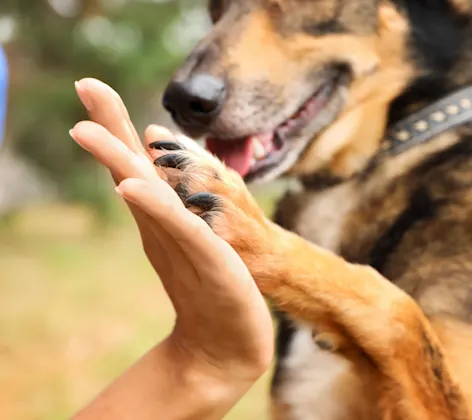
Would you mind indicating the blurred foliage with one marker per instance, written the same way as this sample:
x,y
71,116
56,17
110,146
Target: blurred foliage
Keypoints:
x,y
124,43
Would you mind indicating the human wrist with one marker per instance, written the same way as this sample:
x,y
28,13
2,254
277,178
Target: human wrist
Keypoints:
x,y
210,392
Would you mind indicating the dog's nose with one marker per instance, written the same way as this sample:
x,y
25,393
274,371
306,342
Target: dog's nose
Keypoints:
x,y
196,100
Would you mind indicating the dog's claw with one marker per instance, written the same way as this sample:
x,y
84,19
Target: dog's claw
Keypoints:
x,y
203,200
165,145
172,160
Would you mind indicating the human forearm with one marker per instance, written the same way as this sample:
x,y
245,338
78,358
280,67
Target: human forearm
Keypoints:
x,y
164,385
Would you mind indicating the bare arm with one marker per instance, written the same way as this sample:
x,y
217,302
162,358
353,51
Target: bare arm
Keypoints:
x,y
222,341
160,386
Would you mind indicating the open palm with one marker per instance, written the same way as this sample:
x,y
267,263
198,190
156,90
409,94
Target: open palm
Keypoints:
x,y
223,323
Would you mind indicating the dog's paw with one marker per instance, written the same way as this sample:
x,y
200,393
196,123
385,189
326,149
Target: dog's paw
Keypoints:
x,y
214,192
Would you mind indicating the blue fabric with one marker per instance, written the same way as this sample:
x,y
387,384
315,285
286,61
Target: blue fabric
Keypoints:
x,y
3,93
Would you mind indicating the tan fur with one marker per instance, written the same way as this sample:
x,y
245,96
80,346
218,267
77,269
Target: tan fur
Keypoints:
x,y
354,137
456,339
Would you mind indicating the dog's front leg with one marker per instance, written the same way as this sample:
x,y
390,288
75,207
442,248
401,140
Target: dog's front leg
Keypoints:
x,y
369,313
362,311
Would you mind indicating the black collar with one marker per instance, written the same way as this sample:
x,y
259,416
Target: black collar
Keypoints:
x,y
419,128
424,125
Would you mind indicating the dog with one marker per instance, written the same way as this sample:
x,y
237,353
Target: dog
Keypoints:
x,y
368,104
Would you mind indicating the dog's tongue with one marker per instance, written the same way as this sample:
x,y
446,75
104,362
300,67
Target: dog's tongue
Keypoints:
x,y
237,154
240,154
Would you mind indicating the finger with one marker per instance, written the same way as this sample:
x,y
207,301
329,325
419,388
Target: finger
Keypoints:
x,y
106,108
156,133
159,139
196,239
164,253
111,152
120,159
166,205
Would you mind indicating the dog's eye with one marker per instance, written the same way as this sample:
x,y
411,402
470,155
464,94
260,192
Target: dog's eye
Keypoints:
x,y
216,8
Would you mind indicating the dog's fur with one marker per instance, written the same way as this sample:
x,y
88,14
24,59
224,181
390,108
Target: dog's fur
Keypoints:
x,y
383,329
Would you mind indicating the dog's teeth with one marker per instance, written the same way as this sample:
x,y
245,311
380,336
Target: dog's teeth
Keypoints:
x,y
253,162
258,149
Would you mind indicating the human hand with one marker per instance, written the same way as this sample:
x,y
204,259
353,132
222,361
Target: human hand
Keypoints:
x,y
223,329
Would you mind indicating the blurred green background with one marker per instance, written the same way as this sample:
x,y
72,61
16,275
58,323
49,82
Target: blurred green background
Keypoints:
x,y
78,301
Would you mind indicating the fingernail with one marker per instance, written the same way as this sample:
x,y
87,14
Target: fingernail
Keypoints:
x,y
129,185
71,133
118,191
83,95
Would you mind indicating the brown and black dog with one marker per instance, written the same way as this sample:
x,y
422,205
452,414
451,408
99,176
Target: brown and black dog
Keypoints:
x,y
366,102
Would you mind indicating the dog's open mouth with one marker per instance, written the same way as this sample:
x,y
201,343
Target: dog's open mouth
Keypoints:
x,y
259,153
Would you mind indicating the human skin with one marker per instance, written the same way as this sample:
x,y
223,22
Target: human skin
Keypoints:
x,y
222,341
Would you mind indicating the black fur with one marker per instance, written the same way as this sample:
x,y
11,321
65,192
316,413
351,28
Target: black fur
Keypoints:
x,y
437,33
437,39
331,26
421,207
284,337
285,328
435,356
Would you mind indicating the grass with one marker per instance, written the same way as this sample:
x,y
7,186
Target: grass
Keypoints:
x,y
78,305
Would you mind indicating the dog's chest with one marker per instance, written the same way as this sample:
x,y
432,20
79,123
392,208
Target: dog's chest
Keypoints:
x,y
316,384
321,216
